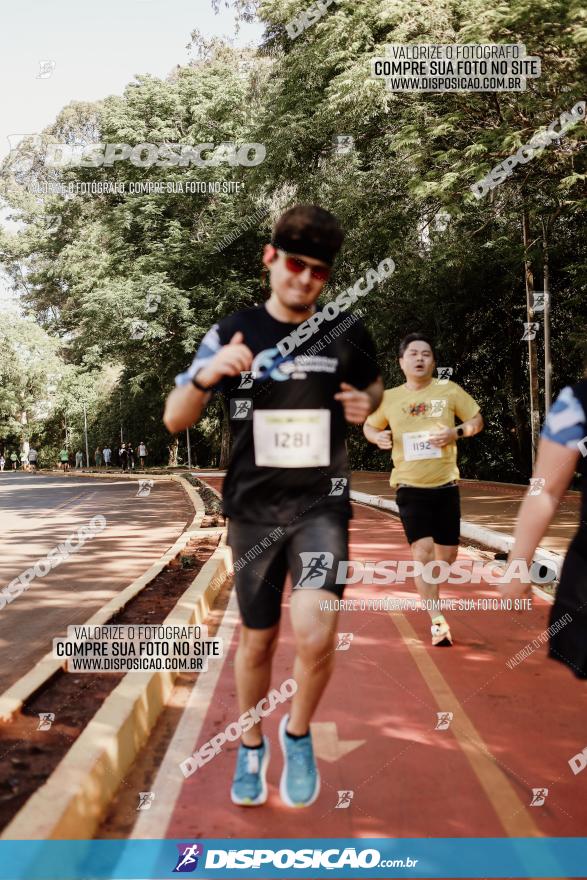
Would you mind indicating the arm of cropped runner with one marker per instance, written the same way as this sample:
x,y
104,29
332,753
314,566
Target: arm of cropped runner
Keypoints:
x,y
555,464
563,436
445,435
185,404
357,404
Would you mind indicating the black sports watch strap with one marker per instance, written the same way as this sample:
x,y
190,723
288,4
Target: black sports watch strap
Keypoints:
x,y
198,385
460,431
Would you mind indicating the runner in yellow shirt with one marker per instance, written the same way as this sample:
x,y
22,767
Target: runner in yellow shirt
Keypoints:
x,y
417,419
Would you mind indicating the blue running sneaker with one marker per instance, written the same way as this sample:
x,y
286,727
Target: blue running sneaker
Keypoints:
x,y
249,786
300,780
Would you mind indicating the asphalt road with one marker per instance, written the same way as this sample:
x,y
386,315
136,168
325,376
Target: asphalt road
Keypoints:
x,y
38,512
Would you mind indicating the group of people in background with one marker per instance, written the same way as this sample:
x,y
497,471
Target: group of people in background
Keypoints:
x,y
124,457
103,456
26,460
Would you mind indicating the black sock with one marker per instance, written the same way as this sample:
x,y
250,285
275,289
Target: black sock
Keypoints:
x,y
253,747
293,735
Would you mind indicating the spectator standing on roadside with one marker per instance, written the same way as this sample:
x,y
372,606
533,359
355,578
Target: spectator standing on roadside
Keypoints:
x,y
64,459
107,453
142,453
14,460
98,457
33,456
24,460
2,462
123,457
79,459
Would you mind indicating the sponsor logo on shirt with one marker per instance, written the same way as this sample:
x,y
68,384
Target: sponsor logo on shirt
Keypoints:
x,y
428,409
270,364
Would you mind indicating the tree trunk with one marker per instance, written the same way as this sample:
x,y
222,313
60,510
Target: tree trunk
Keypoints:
x,y
531,336
172,450
225,436
547,358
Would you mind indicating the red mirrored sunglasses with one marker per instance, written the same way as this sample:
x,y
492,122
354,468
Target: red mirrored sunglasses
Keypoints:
x,y
296,265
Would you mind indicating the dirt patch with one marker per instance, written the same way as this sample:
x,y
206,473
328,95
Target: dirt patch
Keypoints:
x,y
28,755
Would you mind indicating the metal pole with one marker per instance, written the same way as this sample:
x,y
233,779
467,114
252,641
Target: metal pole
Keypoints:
x,y
86,436
65,420
547,358
187,435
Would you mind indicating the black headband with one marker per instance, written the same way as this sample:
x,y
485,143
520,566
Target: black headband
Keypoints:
x,y
305,245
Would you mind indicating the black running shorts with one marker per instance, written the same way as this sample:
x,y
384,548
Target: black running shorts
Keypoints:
x,y
430,513
309,549
569,612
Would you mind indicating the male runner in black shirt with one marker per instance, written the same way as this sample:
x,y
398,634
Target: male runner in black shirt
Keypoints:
x,y
288,468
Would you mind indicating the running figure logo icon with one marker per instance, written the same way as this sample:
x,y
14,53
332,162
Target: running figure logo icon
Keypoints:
x,y
187,861
437,408
138,329
145,487
344,641
444,374
338,485
146,798
315,567
46,719
582,444
152,301
536,485
344,800
541,300
530,330
247,377
241,409
538,796
343,144
444,719
46,68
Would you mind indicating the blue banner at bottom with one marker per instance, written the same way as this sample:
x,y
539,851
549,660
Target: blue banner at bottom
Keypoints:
x,y
365,858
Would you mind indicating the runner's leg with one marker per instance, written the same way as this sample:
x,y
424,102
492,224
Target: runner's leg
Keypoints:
x,y
423,550
252,670
315,637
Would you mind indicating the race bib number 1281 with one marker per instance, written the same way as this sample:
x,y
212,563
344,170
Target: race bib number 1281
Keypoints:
x,y
291,438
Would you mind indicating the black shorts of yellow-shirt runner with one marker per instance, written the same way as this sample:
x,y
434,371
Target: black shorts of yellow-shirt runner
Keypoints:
x,y
431,513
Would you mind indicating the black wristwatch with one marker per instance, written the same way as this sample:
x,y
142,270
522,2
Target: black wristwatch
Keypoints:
x,y
460,431
199,386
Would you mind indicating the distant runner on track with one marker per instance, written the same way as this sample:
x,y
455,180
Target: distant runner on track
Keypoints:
x,y
421,415
288,414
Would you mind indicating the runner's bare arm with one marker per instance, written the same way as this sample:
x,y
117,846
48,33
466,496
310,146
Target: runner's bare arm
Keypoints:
x,y
185,404
555,464
380,438
445,435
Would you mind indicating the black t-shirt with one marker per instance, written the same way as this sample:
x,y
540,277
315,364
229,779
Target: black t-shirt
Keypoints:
x,y
306,379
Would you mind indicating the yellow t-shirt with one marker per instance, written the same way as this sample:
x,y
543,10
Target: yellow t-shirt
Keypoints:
x,y
412,416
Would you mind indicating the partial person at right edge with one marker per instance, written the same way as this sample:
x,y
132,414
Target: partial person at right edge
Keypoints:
x,y
562,451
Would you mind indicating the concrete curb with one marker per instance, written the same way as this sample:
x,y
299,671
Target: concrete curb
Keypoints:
x,y
71,804
13,698
488,537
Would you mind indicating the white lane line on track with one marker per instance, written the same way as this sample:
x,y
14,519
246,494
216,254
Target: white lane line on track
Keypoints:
x,y
168,783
